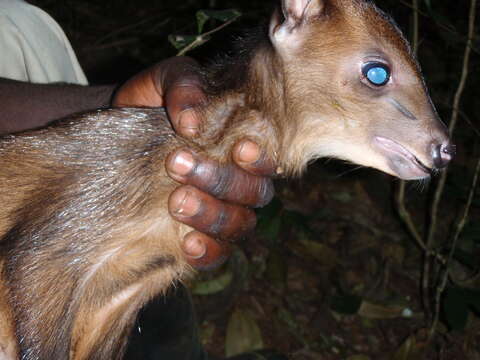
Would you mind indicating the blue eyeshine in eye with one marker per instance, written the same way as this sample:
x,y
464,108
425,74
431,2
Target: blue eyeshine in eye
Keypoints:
x,y
377,74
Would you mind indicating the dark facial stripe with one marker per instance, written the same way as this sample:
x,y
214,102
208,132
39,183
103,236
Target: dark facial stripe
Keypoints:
x,y
402,109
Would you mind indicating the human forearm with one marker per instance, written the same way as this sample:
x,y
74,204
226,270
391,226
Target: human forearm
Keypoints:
x,y
27,106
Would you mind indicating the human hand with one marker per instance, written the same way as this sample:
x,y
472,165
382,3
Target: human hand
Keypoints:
x,y
215,199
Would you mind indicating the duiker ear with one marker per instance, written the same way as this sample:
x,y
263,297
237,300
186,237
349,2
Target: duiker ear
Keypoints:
x,y
299,11
295,14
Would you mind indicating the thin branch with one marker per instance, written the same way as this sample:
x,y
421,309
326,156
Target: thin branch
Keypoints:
x,y
400,198
201,39
415,27
441,184
453,121
128,28
460,225
440,25
406,217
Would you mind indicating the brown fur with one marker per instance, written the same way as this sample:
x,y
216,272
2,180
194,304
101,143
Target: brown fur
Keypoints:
x,y
86,239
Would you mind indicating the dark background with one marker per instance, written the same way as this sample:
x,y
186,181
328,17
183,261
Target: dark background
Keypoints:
x,y
331,267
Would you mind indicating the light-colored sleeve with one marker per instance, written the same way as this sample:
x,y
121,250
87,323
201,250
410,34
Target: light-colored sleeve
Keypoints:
x,y
12,62
34,48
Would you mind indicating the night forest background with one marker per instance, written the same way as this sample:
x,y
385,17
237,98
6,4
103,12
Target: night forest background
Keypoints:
x,y
346,263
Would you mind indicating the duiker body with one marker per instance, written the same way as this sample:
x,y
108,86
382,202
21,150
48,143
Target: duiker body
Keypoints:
x,y
86,238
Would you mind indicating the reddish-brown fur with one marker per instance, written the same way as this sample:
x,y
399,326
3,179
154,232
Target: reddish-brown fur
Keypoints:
x,y
86,238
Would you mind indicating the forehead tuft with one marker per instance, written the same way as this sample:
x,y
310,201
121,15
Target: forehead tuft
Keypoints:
x,y
381,26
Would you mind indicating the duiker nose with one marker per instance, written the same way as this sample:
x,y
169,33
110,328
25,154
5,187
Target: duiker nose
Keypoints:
x,y
442,154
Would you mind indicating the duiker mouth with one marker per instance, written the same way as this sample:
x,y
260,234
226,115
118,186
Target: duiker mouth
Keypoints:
x,y
401,161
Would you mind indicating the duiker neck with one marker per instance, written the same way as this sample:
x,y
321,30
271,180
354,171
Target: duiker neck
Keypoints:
x,y
254,74
248,99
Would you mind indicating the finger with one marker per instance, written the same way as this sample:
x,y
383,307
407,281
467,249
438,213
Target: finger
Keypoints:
x,y
223,181
182,86
209,215
248,155
180,101
203,252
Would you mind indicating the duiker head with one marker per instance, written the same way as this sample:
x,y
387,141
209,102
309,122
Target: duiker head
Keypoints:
x,y
355,89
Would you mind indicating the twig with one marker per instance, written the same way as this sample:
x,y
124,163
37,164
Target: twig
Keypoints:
x,y
453,121
464,117
412,229
400,198
442,26
406,217
200,39
126,28
415,27
441,184
118,43
460,225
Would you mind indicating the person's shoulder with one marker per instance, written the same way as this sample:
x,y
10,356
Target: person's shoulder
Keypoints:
x,y
7,19
9,7
19,10
11,11
12,36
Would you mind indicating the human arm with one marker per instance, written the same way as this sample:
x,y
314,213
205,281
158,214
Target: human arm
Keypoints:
x,y
27,106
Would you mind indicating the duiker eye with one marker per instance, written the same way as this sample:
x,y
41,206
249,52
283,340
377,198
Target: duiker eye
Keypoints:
x,y
376,73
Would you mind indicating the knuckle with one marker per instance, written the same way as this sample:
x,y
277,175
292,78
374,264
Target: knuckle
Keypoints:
x,y
220,222
213,178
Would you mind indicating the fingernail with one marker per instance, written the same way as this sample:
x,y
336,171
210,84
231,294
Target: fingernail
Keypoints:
x,y
194,247
189,205
249,151
183,163
188,123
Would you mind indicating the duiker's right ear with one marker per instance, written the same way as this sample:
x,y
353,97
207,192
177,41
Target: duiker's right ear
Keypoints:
x,y
295,13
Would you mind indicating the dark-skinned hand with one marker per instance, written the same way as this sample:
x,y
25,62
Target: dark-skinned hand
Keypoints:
x,y
215,199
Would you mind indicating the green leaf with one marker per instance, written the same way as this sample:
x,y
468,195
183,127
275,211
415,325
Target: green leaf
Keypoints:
x,y
243,334
346,304
202,18
213,286
455,308
222,15
181,41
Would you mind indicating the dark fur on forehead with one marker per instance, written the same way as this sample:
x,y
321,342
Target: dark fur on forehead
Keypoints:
x,y
383,26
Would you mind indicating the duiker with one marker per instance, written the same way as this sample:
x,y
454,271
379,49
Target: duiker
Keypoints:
x,y
85,234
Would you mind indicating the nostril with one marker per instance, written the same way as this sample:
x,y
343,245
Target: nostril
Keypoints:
x,y
442,154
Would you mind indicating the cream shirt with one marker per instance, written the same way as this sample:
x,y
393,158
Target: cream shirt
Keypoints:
x,y
34,48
